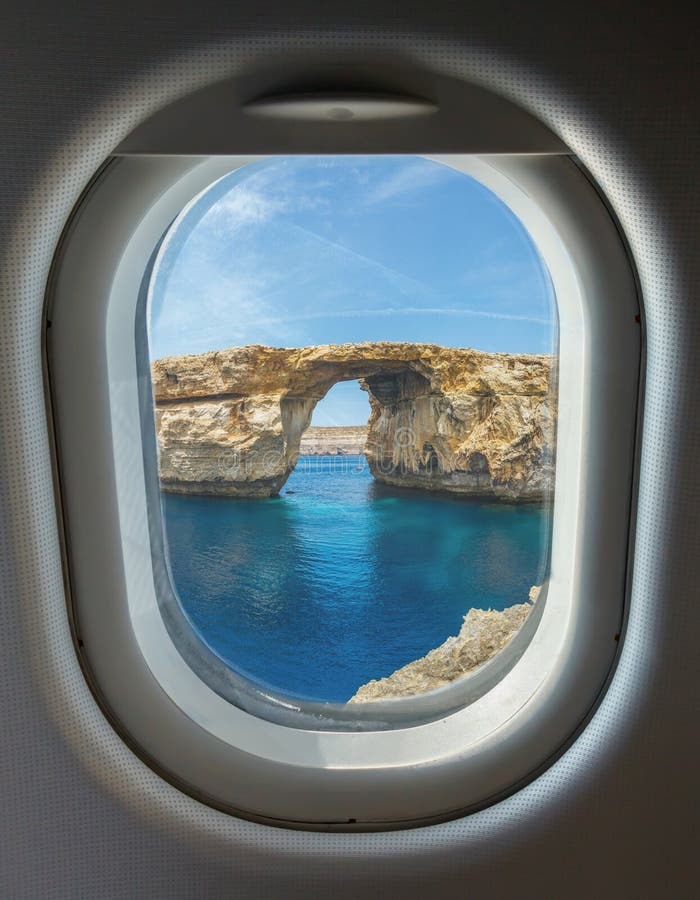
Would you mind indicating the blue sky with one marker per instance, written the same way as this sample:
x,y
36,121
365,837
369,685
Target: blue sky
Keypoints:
x,y
292,251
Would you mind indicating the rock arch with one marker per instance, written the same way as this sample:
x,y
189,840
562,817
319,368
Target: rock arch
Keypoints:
x,y
230,422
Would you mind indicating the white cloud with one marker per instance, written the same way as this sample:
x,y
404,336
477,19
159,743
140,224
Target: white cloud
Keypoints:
x,y
240,207
337,254
412,177
404,311
247,273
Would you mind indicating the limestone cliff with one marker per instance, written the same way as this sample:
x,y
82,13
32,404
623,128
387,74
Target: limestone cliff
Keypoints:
x,y
231,421
332,440
483,634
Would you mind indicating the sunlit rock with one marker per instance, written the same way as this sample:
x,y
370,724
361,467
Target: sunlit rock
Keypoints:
x,y
459,420
483,634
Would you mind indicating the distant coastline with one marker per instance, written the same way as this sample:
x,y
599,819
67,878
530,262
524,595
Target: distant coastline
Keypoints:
x,y
333,440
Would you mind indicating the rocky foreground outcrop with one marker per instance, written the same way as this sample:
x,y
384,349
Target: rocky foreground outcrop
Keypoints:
x,y
231,421
483,634
333,440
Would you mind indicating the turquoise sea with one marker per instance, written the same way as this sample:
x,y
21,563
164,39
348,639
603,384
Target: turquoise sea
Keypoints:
x,y
339,579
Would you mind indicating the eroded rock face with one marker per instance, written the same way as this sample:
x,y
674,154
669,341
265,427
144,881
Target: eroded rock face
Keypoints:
x,y
484,633
231,422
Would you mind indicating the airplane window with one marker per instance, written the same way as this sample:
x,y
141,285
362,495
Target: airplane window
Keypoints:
x,y
353,364
345,454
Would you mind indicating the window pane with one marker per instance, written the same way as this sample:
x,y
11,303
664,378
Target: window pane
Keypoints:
x,y
354,371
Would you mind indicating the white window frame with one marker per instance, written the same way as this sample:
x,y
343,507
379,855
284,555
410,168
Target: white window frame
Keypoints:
x,y
326,778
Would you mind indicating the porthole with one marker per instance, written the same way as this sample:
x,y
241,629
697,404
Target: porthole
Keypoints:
x,y
404,556
150,464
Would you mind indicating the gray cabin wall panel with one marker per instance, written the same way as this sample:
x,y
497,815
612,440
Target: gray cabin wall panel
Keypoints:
x,y
614,816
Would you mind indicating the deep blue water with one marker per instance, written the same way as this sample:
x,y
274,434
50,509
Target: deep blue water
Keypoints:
x,y
315,592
